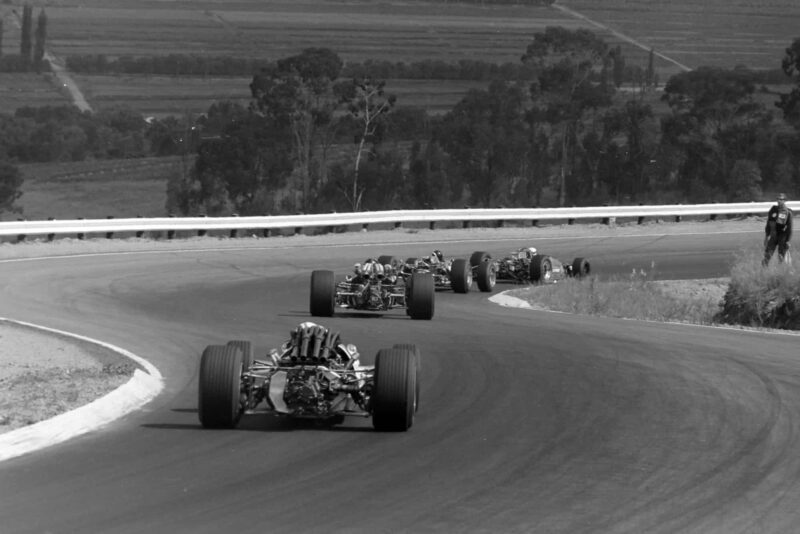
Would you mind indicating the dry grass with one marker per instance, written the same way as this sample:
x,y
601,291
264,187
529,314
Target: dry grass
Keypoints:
x,y
755,296
690,301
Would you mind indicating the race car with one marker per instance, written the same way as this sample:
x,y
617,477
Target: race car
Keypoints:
x,y
313,375
456,274
374,286
527,265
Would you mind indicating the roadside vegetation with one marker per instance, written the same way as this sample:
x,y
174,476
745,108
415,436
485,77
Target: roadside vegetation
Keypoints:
x,y
753,296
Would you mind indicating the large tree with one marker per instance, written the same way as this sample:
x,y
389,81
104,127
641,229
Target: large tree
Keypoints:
x,y
789,103
367,102
241,166
715,120
10,183
568,64
485,137
26,43
41,37
298,94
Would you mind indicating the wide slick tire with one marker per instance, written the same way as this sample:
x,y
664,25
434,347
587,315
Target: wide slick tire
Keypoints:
x,y
219,386
486,276
581,267
479,257
247,352
541,269
323,294
418,361
394,390
421,296
461,276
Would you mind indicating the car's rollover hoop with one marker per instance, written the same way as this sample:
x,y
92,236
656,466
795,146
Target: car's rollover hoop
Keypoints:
x,y
312,376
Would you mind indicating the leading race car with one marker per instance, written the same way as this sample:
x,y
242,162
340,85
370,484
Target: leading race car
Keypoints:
x,y
527,265
374,286
313,375
456,274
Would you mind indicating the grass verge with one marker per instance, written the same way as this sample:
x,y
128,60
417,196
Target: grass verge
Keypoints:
x,y
753,296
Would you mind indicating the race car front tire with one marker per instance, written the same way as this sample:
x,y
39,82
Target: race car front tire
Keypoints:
x,y
541,268
479,257
323,294
461,276
219,387
580,267
418,361
486,276
394,390
421,295
247,352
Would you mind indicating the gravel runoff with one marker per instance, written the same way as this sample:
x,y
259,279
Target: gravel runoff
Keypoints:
x,y
54,385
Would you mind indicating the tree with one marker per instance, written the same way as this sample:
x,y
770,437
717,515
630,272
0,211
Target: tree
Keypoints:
x,y
650,73
25,45
745,182
564,90
41,36
241,167
367,102
297,95
715,121
789,103
635,132
485,138
10,183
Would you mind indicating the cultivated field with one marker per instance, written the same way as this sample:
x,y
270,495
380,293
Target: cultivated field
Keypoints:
x,y
688,33
95,189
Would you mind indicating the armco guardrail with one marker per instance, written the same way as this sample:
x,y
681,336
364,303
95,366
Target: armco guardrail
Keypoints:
x,y
202,225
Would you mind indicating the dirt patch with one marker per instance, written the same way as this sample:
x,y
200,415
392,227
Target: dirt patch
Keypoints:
x,y
43,374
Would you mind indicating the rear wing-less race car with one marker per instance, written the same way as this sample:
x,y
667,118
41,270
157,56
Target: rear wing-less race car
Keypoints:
x,y
526,265
314,375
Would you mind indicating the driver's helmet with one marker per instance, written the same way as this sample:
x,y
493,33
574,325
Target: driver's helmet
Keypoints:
x,y
526,253
437,256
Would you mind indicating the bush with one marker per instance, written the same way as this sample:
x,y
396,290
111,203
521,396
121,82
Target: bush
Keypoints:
x,y
762,296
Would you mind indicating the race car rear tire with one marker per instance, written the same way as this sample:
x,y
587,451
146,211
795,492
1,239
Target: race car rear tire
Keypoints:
x,y
486,276
420,298
247,352
418,361
394,390
541,268
580,267
461,276
219,387
479,257
323,294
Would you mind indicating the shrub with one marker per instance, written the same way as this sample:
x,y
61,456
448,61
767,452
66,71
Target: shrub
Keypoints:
x,y
762,296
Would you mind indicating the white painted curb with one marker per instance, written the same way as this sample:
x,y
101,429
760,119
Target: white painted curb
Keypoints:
x,y
138,391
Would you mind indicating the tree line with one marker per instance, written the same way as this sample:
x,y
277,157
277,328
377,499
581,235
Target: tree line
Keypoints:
x,y
427,69
566,137
315,140
31,47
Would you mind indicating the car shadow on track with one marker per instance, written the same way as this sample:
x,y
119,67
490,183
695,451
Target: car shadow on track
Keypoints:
x,y
270,423
352,315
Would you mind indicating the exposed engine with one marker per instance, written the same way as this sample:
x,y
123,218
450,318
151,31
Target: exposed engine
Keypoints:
x,y
308,391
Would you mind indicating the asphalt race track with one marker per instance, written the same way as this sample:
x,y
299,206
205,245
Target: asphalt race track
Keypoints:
x,y
528,421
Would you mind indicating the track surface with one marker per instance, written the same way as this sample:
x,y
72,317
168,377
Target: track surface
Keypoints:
x,y
529,421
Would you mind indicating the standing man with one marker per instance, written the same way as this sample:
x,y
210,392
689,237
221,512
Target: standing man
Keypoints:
x,y
778,230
